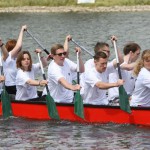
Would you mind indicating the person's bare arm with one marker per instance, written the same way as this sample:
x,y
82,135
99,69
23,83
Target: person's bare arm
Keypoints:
x,y
66,45
37,82
81,64
126,65
105,85
43,59
4,50
2,78
120,56
69,86
18,45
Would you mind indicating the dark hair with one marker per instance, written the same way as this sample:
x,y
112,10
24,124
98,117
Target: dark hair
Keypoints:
x,y
99,55
131,47
21,57
55,47
100,45
10,44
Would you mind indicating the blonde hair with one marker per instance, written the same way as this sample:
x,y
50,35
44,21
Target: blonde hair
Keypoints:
x,y
145,56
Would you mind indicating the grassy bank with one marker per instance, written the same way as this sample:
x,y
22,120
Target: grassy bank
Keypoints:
x,y
15,3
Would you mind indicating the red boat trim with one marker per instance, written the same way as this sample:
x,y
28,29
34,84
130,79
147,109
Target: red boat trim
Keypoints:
x,y
85,105
93,113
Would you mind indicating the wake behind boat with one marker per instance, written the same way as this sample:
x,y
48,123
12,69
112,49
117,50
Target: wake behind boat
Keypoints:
x,y
93,113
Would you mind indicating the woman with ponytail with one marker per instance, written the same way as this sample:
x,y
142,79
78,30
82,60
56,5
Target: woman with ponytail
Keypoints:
x,y
141,94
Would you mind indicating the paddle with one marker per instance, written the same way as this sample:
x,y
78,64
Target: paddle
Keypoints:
x,y
81,47
6,104
46,51
52,110
78,102
123,97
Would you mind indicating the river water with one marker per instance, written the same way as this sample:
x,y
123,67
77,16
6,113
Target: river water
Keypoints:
x,y
86,29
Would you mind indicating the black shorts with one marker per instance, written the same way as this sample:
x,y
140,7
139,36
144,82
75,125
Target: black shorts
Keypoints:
x,y
11,89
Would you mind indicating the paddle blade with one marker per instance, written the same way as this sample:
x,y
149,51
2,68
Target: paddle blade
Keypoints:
x,y
52,110
78,105
6,104
124,100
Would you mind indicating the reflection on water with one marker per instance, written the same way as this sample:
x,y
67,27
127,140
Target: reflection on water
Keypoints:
x,y
86,29
28,134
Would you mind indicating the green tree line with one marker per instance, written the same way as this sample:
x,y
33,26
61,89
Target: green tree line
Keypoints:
x,y
15,3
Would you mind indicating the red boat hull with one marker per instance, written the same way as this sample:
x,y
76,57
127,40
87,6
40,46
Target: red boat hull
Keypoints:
x,y
93,114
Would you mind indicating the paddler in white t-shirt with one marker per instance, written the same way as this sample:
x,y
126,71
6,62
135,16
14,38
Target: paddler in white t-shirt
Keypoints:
x,y
95,82
141,93
10,52
131,54
60,75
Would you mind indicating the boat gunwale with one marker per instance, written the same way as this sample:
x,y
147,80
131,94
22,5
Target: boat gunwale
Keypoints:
x,y
72,104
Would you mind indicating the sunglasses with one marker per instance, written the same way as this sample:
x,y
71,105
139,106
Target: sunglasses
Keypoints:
x,y
60,54
106,51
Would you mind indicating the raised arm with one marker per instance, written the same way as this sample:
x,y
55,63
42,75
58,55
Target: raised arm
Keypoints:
x,y
120,56
127,65
66,44
18,45
43,59
4,50
81,64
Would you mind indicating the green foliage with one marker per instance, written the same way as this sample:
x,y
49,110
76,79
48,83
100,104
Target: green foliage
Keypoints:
x,y
121,2
14,3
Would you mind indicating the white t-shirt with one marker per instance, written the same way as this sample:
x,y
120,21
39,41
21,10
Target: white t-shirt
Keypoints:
x,y
89,64
90,93
24,90
10,71
113,77
55,72
129,79
113,92
141,93
128,84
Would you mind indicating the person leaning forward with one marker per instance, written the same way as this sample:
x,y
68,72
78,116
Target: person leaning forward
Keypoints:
x,y
95,81
60,75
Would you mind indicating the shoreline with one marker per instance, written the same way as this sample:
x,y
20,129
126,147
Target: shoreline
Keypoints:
x,y
60,9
